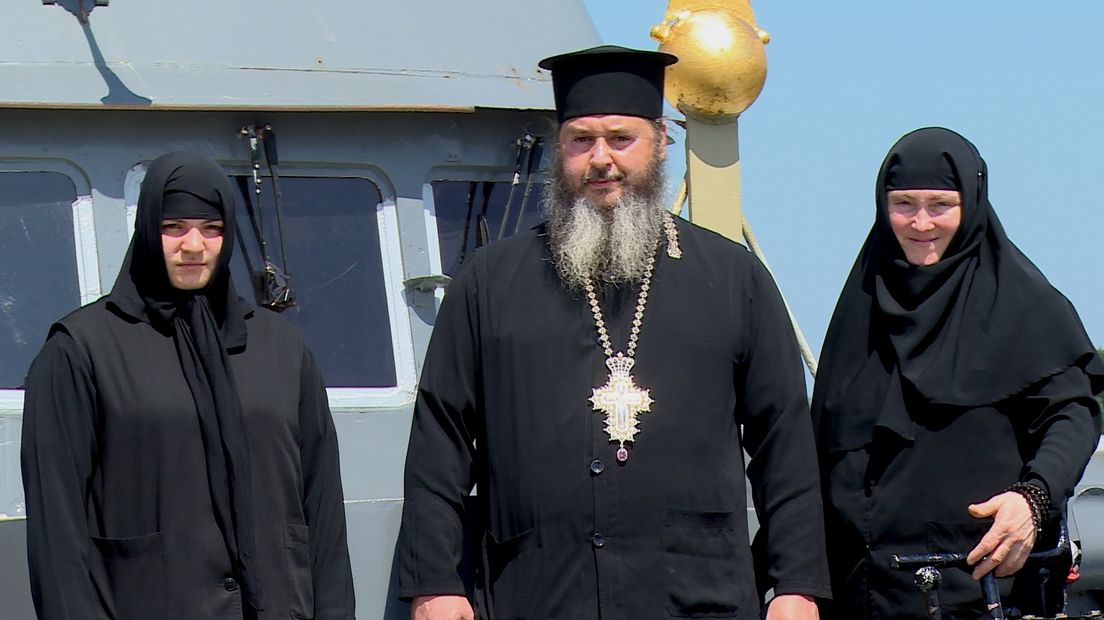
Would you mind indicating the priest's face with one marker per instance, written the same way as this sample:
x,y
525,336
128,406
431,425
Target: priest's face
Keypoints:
x,y
191,248
605,231
924,222
605,156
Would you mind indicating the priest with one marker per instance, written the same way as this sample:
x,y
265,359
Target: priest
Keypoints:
x,y
597,381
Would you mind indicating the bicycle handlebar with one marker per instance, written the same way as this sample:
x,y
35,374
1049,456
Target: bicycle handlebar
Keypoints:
x,y
947,560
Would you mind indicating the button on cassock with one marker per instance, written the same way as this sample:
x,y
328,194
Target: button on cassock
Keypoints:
x,y
597,467
598,540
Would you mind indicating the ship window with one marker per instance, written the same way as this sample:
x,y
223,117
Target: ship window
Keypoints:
x,y
38,274
332,236
458,205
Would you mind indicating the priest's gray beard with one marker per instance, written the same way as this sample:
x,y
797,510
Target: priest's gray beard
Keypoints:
x,y
604,244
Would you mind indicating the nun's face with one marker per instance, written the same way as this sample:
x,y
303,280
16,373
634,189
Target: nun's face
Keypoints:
x,y
603,155
191,248
924,222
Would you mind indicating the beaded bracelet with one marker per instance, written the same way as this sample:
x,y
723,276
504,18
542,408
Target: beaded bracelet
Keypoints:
x,y
1037,499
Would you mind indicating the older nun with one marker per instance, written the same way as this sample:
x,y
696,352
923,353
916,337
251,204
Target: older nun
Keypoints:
x,y
954,406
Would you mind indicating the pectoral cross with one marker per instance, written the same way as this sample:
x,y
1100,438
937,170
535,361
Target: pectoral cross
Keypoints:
x,y
621,400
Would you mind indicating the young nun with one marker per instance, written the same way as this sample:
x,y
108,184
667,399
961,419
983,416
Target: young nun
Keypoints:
x,y
179,457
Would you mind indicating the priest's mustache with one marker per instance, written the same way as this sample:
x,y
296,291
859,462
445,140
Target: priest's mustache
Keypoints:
x,y
604,175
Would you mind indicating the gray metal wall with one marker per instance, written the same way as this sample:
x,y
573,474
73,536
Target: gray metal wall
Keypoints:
x,y
403,151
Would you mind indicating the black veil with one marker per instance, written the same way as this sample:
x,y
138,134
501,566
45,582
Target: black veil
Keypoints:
x,y
975,328
204,324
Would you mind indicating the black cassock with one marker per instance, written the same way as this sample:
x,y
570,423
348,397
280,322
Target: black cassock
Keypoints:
x,y
567,531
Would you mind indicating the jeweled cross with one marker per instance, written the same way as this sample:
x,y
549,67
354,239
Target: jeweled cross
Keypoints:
x,y
621,400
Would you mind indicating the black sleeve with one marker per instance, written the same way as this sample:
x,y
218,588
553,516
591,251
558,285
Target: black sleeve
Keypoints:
x,y
58,453
778,436
1065,418
440,455
331,573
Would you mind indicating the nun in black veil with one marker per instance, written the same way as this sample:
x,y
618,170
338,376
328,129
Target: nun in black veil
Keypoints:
x,y
954,406
179,456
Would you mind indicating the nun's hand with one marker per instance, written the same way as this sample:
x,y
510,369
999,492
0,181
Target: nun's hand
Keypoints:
x,y
1006,545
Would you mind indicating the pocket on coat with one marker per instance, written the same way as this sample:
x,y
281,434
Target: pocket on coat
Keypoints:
x,y
956,536
129,575
510,573
959,594
702,566
300,582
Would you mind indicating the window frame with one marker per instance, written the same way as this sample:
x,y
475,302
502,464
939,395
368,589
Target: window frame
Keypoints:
x,y
84,238
460,174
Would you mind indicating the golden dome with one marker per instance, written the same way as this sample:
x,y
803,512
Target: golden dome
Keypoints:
x,y
722,64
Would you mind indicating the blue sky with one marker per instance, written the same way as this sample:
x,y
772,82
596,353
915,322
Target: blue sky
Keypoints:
x,y
1023,81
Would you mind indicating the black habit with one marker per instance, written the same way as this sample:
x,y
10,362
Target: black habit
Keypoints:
x,y
179,457
939,386
564,529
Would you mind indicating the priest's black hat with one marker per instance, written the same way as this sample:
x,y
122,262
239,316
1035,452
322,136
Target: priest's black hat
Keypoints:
x,y
608,80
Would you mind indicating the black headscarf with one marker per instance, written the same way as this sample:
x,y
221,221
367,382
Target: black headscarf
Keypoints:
x,y
204,324
977,327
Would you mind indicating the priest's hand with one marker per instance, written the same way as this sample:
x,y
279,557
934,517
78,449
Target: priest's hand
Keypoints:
x,y
792,607
1006,545
443,607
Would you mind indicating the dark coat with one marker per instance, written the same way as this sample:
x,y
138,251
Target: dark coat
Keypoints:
x,y
120,518
566,530
899,497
